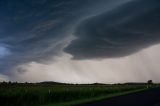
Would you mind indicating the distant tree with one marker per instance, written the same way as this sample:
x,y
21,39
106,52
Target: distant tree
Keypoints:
x,y
150,82
4,82
9,82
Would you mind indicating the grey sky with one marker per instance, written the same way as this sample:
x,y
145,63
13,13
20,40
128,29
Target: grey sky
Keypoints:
x,y
79,41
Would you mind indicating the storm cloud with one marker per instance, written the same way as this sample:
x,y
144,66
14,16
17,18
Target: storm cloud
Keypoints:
x,y
120,32
39,30
79,41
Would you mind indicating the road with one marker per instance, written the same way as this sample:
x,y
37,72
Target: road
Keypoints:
x,y
150,97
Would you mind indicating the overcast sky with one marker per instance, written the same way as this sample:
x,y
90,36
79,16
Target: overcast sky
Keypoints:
x,y
80,41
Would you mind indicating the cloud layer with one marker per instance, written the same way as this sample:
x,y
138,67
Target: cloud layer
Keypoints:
x,y
39,30
39,38
121,32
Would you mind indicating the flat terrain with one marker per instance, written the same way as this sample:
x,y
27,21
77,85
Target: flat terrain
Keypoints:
x,y
53,94
150,97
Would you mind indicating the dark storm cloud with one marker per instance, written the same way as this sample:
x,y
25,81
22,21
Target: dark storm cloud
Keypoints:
x,y
34,30
118,33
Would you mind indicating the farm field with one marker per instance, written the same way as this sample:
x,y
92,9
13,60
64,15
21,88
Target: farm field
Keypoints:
x,y
147,97
48,94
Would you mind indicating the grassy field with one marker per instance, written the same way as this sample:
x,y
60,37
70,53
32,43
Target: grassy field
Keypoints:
x,y
60,94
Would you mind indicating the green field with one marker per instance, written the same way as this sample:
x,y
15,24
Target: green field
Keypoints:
x,y
60,94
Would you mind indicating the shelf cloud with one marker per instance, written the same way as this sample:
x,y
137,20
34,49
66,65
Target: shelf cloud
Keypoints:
x,y
79,41
121,32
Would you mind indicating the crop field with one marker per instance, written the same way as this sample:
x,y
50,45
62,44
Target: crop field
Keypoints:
x,y
60,94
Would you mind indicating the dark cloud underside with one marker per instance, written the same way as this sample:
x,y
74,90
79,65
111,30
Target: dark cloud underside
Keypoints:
x,y
120,32
35,30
